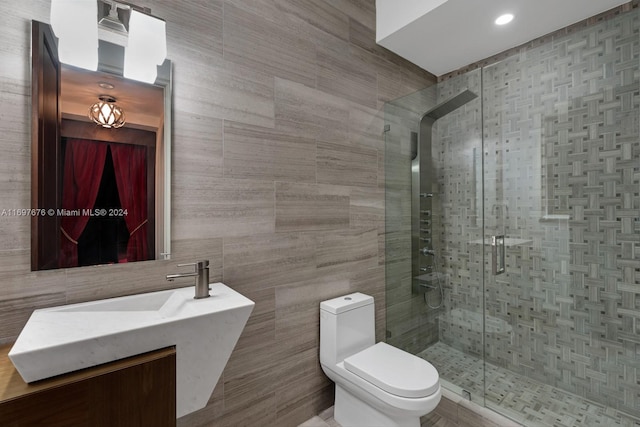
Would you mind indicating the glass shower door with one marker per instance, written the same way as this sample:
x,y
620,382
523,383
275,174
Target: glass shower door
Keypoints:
x,y
434,237
561,161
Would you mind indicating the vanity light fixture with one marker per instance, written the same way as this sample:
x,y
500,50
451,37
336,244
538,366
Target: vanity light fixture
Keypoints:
x,y
112,20
504,19
74,23
147,47
112,28
106,113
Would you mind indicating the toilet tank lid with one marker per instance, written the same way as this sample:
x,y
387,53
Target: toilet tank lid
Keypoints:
x,y
346,303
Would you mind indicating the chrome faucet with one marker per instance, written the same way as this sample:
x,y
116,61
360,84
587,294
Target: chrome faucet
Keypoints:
x,y
201,274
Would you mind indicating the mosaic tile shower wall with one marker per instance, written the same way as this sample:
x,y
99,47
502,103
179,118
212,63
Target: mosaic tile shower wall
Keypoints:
x,y
562,183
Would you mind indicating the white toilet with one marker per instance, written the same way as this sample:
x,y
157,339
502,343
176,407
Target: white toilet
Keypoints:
x,y
376,384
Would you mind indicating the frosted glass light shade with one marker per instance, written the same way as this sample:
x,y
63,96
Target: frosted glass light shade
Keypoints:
x,y
74,23
147,47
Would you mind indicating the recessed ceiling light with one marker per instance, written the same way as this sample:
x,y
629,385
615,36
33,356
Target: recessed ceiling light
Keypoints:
x,y
105,85
504,19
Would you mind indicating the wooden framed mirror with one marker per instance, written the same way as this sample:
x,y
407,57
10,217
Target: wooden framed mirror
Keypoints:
x,y
98,195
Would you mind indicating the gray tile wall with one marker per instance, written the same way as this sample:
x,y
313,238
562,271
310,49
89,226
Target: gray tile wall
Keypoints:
x,y
278,179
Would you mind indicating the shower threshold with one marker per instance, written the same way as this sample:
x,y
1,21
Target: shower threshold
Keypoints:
x,y
522,399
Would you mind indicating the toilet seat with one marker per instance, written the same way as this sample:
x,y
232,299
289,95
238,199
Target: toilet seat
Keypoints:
x,y
394,371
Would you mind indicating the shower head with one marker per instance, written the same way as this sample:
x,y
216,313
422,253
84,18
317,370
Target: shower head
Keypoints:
x,y
450,104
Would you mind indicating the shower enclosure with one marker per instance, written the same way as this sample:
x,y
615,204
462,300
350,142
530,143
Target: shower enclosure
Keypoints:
x,y
513,228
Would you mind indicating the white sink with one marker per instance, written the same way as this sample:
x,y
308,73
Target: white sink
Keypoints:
x,y
63,339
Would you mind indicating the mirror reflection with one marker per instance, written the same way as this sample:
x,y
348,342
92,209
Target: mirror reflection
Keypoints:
x,y
100,156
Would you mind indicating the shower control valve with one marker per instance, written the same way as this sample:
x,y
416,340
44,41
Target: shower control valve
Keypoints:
x,y
426,252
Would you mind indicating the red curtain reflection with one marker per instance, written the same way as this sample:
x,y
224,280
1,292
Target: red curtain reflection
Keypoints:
x,y
83,169
130,164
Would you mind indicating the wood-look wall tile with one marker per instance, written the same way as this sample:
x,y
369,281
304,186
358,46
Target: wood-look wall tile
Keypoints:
x,y
254,42
14,265
258,412
344,75
24,291
224,91
204,208
390,84
320,15
280,364
339,164
15,95
252,152
367,208
15,21
365,38
15,166
196,145
205,416
363,11
372,282
15,230
246,381
298,306
261,326
107,281
382,178
14,312
366,127
347,250
310,113
192,32
268,260
310,207
306,396
394,82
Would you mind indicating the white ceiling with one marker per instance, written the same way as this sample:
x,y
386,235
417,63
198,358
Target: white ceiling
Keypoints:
x,y
445,35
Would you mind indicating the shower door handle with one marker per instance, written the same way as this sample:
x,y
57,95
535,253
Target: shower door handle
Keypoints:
x,y
497,249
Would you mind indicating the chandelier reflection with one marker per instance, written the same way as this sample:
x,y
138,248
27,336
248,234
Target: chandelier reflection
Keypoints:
x,y
106,113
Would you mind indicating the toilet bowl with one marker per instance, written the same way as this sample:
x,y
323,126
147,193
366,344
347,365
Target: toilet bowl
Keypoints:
x,y
376,384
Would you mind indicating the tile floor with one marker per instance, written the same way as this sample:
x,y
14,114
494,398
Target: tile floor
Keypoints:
x,y
452,411
528,401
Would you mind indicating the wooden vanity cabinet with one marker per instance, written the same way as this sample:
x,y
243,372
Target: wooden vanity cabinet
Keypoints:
x,y
138,391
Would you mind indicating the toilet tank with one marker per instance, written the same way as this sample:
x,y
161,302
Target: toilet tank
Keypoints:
x,y
347,326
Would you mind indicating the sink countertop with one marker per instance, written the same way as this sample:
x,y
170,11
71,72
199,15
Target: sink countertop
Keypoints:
x,y
64,339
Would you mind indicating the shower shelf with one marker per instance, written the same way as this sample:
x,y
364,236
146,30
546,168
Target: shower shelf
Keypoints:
x,y
551,218
508,242
431,277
